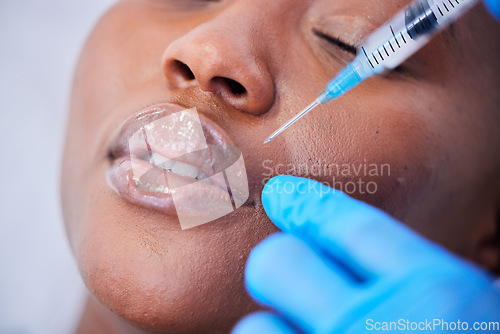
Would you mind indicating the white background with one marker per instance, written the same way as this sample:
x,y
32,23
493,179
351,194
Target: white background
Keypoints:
x,y
40,289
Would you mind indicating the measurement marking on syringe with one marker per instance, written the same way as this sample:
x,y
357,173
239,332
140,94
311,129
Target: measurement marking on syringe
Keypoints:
x,y
445,7
451,3
408,32
393,34
440,12
434,16
404,40
362,48
387,53
391,45
380,54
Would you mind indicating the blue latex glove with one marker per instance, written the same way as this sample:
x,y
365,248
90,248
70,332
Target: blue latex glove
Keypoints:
x,y
494,7
340,263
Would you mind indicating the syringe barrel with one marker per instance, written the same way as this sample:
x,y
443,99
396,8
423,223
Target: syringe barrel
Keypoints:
x,y
409,30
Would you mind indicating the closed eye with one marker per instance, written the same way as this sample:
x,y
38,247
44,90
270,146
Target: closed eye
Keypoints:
x,y
337,42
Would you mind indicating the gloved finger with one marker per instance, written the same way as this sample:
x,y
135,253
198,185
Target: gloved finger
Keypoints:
x,y
262,322
494,7
365,239
283,272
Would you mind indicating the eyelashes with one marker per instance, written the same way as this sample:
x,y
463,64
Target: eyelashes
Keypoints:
x,y
343,45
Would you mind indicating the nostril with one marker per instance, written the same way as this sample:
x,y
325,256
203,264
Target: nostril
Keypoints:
x,y
235,87
230,85
182,70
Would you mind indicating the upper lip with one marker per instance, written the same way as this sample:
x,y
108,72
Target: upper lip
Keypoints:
x,y
213,135
119,147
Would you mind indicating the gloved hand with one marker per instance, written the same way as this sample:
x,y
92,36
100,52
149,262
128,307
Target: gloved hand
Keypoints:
x,y
494,7
342,266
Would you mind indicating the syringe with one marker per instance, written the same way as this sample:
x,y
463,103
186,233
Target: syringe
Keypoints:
x,y
389,46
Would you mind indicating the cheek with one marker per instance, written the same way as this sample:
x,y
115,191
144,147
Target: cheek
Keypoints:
x,y
109,63
381,155
122,55
105,76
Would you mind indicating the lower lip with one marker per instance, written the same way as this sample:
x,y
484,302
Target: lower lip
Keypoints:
x,y
120,178
192,200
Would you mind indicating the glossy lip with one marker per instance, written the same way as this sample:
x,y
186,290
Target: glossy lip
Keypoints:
x,y
214,134
119,173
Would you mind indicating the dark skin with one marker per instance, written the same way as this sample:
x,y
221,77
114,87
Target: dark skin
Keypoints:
x,y
435,121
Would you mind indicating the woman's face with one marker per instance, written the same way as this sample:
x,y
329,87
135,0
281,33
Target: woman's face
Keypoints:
x,y
420,143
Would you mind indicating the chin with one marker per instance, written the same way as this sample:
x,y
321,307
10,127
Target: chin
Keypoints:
x,y
159,278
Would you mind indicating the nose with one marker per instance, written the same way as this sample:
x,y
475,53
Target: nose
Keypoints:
x,y
222,57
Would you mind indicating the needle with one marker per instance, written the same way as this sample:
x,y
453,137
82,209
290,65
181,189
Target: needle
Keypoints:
x,y
293,120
